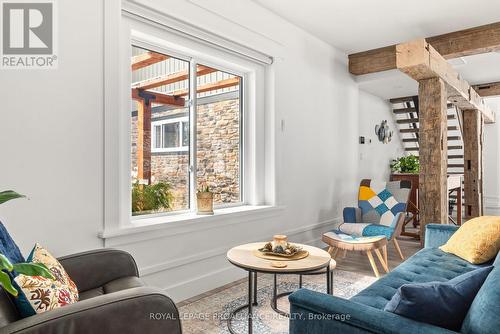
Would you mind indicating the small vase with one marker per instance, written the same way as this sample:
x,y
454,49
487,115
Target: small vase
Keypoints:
x,y
280,240
205,203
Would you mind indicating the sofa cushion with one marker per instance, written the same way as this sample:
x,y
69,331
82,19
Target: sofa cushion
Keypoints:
x,y
482,317
113,286
477,241
427,265
443,304
39,294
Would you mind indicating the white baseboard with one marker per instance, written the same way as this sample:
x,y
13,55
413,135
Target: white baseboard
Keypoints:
x,y
192,286
492,205
492,202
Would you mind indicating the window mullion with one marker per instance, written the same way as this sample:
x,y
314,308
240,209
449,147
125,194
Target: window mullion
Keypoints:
x,y
192,134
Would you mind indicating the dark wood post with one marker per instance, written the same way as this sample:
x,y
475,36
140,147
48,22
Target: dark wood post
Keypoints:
x,y
473,158
433,142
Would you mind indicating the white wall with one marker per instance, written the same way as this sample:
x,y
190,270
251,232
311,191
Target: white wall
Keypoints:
x,y
51,139
375,156
51,130
491,180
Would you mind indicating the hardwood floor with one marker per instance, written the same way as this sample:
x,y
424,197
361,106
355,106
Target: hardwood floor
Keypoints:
x,y
358,261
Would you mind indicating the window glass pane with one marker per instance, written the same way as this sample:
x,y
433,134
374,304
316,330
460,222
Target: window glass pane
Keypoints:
x,y
159,172
171,135
219,134
157,136
185,133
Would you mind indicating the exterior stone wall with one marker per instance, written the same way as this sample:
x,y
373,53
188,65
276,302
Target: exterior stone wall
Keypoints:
x,y
218,154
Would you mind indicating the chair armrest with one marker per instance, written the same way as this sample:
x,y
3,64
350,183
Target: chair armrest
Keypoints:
x,y
95,268
317,312
137,310
438,234
352,215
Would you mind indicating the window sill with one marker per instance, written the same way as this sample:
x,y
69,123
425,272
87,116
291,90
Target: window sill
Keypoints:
x,y
154,227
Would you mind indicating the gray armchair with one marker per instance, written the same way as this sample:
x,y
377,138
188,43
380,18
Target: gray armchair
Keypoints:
x,y
112,300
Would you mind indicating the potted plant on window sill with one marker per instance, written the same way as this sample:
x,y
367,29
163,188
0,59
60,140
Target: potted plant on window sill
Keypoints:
x,y
205,201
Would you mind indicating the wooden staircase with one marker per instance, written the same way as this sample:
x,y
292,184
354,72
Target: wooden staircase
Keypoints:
x,y
406,112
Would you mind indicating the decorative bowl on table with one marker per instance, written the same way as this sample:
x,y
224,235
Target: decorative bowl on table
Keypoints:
x,y
280,247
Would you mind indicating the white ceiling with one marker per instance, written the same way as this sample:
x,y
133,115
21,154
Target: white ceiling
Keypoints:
x,y
359,25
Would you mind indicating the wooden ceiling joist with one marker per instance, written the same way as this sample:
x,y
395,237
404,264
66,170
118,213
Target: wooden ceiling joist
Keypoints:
x,y
159,98
419,60
171,78
489,89
231,82
146,59
468,42
452,45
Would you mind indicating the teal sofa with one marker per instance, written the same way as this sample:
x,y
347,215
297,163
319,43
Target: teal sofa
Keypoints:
x,y
315,312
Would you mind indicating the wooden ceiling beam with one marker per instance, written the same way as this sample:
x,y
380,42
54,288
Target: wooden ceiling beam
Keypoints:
x,y
452,45
171,78
419,60
158,98
231,82
146,59
488,89
467,42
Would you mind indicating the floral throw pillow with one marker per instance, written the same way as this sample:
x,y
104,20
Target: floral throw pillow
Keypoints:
x,y
39,294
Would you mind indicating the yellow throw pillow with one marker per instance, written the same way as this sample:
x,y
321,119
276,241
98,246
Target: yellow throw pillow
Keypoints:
x,y
477,241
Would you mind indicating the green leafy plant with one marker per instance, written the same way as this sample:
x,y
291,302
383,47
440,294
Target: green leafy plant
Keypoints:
x,y
29,269
406,164
204,188
8,195
151,197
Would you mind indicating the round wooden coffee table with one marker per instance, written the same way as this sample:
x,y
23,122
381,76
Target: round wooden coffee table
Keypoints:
x,y
317,262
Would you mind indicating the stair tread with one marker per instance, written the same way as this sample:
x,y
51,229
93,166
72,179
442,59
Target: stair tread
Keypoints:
x,y
415,120
415,140
456,147
450,128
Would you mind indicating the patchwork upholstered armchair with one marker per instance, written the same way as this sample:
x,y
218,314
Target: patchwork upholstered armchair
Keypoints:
x,y
381,211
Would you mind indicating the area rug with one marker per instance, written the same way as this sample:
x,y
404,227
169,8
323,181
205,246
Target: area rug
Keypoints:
x,y
209,313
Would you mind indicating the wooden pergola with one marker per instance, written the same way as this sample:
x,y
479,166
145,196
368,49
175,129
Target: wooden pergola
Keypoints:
x,y
424,60
141,92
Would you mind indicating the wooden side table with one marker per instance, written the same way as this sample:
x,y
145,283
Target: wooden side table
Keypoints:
x,y
317,262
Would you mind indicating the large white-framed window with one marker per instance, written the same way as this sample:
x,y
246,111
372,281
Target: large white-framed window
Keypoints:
x,y
255,122
175,156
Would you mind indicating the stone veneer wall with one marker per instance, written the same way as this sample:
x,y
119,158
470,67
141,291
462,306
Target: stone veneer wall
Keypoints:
x,y
218,127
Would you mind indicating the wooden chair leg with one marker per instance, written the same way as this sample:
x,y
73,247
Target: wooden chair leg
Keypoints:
x,y
330,250
372,263
335,253
384,252
396,244
382,261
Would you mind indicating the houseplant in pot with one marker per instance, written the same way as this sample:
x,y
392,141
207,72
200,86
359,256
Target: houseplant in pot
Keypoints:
x,y
205,201
7,267
408,164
